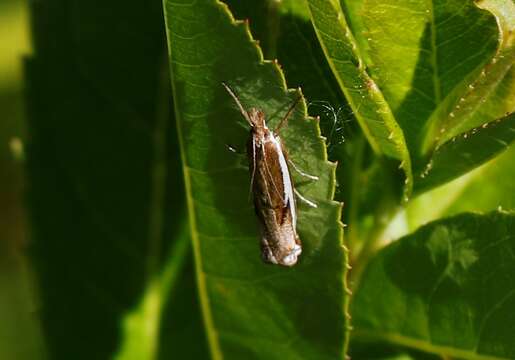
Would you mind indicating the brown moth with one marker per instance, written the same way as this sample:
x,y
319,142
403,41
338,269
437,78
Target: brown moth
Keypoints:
x,y
272,188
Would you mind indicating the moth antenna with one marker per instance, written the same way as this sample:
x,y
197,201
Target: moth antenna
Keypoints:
x,y
238,102
285,118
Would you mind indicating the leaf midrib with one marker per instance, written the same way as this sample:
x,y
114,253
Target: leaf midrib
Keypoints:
x,y
434,60
422,345
214,346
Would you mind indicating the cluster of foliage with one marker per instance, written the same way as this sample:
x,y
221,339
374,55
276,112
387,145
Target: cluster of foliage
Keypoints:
x,y
128,173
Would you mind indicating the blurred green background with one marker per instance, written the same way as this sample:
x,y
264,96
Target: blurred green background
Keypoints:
x,y
20,337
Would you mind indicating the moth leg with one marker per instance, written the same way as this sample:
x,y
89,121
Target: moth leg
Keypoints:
x,y
312,177
239,156
304,200
288,113
234,149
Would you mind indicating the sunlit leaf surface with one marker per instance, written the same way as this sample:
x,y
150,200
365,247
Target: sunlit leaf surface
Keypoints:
x,y
448,288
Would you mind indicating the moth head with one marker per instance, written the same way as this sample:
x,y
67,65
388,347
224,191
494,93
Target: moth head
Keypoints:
x,y
257,118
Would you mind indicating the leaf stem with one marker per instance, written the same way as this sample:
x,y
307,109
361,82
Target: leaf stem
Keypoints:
x,y
386,211
370,246
355,171
420,344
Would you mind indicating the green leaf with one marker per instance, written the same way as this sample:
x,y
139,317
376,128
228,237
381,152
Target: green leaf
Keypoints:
x,y
420,51
437,63
484,189
447,289
440,68
105,193
493,187
488,93
465,152
364,96
251,310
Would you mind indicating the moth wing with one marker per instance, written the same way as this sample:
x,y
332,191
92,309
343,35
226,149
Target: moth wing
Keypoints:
x,y
289,196
273,175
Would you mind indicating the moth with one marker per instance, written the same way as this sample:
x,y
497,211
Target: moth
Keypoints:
x,y
272,187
